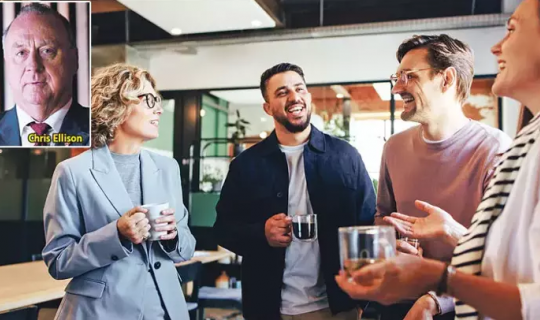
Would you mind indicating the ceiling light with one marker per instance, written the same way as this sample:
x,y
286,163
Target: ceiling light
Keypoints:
x,y
339,96
263,119
256,23
203,112
263,135
176,31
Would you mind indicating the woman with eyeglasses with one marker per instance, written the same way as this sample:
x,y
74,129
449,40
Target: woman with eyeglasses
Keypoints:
x,y
495,269
96,230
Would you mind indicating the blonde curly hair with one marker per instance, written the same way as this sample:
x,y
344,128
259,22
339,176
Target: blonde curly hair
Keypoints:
x,y
114,92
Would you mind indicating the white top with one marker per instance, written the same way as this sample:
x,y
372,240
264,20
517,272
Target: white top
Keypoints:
x,y
512,252
55,121
303,288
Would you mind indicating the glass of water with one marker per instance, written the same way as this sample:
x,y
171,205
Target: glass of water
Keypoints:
x,y
361,246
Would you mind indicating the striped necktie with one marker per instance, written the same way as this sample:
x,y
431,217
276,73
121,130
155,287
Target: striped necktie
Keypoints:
x,y
469,252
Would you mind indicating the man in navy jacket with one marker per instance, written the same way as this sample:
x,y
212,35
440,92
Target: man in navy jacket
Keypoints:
x,y
297,170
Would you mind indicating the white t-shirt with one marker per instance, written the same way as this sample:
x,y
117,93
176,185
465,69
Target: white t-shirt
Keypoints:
x,y
303,288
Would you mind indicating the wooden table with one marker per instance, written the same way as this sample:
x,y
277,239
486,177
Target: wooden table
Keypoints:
x,y
207,257
25,284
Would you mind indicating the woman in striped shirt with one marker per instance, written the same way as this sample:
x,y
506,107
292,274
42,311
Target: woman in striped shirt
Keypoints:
x,y
495,271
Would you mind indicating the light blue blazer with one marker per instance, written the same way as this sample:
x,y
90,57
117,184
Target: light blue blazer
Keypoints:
x,y
85,200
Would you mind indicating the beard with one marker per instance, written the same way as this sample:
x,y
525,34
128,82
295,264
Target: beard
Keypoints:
x,y
294,127
408,115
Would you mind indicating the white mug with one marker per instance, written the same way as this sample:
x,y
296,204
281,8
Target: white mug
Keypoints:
x,y
154,212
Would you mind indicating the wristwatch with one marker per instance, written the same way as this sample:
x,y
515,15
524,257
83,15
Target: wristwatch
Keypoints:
x,y
443,287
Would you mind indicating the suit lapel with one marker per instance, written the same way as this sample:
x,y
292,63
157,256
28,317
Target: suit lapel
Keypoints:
x,y
9,129
76,123
108,179
151,190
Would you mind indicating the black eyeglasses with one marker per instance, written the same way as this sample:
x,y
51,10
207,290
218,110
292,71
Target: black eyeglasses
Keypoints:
x,y
151,100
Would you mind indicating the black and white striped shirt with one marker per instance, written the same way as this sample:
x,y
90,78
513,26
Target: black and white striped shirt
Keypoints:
x,y
503,195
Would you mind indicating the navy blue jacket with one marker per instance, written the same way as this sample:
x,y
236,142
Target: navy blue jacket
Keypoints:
x,y
76,122
256,188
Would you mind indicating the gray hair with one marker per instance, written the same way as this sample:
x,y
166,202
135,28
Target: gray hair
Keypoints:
x,y
41,9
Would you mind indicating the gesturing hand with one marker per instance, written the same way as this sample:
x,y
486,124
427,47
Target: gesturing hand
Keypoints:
x,y
435,225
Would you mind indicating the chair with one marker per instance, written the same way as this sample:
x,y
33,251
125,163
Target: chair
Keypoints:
x,y
190,273
26,313
211,297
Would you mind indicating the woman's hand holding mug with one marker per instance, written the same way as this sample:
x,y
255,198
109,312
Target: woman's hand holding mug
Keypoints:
x,y
134,226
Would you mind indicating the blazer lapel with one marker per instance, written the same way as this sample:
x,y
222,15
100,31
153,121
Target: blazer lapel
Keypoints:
x,y
9,129
150,174
108,179
151,191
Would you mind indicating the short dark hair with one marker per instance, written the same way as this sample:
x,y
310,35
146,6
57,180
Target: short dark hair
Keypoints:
x,y
445,52
278,68
41,9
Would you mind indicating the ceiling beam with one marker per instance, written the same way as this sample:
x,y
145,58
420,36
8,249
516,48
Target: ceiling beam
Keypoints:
x,y
273,9
102,6
339,89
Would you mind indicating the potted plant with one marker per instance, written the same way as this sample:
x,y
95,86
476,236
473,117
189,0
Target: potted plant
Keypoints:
x,y
212,179
335,127
375,184
240,126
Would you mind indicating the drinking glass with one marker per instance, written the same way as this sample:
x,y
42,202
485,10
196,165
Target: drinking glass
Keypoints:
x,y
305,227
412,241
361,246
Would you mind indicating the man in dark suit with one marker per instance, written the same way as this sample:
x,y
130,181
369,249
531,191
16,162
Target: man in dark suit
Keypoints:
x,y
41,61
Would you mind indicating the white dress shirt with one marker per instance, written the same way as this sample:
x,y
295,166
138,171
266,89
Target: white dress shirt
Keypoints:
x,y
512,252
55,121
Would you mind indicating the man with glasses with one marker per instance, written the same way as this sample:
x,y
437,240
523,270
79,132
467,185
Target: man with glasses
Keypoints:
x,y
40,56
446,161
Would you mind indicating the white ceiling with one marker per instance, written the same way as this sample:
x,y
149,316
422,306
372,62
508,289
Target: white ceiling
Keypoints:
x,y
243,96
200,16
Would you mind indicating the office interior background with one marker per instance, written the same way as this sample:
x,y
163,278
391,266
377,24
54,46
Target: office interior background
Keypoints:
x,y
207,57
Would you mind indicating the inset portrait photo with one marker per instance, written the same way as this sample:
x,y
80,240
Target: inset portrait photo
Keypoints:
x,y
45,74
